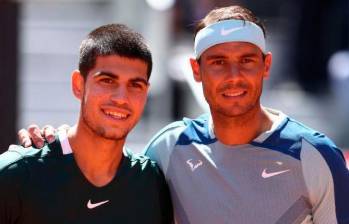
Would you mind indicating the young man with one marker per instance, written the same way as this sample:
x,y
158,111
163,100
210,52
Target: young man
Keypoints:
x,y
87,175
244,163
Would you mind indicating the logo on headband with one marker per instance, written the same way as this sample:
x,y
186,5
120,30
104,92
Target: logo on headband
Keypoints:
x,y
225,32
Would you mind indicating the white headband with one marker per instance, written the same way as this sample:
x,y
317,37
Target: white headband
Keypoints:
x,y
228,31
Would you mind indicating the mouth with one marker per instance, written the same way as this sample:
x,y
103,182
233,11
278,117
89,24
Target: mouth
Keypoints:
x,y
230,93
117,114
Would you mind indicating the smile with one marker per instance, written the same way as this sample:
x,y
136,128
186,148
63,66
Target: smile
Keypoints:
x,y
234,93
116,114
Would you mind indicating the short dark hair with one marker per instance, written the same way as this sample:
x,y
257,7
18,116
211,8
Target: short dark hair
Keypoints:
x,y
113,39
226,13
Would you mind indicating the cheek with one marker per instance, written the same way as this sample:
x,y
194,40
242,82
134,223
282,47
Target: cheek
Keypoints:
x,y
210,82
256,85
209,77
141,103
209,90
93,91
217,69
254,76
138,102
94,96
253,68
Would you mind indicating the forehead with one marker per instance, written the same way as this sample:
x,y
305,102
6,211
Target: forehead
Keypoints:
x,y
121,66
232,49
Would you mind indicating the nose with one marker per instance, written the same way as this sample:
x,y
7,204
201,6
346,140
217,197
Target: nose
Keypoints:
x,y
120,95
233,72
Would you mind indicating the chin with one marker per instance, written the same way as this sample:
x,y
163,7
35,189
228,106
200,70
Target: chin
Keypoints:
x,y
234,111
111,133
114,136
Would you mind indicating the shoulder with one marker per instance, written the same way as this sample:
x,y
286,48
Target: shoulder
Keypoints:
x,y
297,130
164,140
16,154
142,169
140,162
169,131
311,139
291,136
182,132
319,153
14,168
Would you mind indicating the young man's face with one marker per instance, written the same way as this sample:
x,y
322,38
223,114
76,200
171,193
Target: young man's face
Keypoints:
x,y
113,95
232,76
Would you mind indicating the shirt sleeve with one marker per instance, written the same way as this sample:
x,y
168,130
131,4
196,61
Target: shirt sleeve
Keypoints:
x,y
327,180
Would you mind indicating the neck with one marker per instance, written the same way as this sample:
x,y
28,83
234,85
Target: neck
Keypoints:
x,y
241,129
98,158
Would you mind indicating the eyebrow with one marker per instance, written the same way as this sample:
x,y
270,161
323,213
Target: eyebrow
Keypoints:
x,y
211,57
250,55
142,80
217,56
111,75
114,76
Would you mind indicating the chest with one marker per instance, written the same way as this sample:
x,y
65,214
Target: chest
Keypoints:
x,y
244,184
53,195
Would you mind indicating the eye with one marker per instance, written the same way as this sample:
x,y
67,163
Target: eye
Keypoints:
x,y
137,85
218,62
106,80
247,60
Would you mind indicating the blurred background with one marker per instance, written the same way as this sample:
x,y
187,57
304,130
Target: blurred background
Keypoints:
x,y
39,42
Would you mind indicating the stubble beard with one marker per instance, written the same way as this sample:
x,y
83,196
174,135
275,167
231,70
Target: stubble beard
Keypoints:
x,y
98,129
236,110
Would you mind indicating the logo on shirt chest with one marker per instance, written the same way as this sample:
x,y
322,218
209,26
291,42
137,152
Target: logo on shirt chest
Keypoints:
x,y
91,205
194,164
267,174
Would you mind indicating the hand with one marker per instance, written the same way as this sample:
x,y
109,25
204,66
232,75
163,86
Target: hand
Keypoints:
x,y
34,136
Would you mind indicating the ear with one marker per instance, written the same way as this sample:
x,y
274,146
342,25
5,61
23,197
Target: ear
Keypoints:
x,y
78,82
196,69
267,64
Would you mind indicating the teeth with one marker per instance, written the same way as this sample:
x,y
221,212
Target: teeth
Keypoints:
x,y
234,93
116,114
